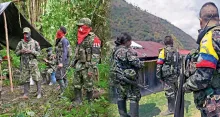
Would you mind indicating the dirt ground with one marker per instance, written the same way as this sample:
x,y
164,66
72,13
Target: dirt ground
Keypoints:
x,y
10,99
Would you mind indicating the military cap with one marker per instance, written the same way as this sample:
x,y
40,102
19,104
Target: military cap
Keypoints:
x,y
84,21
26,30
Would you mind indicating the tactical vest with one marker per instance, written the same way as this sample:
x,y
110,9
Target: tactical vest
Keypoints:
x,y
121,68
168,57
207,54
87,51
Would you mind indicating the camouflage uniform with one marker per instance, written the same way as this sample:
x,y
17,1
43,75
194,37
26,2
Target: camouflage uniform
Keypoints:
x,y
50,66
87,56
61,50
205,82
167,72
123,59
29,61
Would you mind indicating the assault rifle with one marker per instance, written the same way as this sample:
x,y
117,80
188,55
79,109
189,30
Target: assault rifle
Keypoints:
x,y
179,106
133,82
49,65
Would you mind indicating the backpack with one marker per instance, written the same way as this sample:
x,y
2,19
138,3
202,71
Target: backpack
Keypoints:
x,y
171,56
170,66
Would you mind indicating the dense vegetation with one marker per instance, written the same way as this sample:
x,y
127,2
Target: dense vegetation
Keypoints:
x,y
47,16
145,26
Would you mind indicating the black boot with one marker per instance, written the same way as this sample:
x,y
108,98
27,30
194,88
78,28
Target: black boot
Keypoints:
x,y
26,90
78,97
134,109
89,95
39,94
122,108
171,107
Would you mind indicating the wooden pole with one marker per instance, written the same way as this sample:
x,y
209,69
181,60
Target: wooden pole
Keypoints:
x,y
7,45
1,82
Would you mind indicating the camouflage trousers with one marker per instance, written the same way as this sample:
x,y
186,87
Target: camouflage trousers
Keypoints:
x,y
127,91
84,79
171,86
30,70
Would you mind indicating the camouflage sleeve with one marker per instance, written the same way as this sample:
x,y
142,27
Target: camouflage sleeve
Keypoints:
x,y
199,80
160,62
159,71
18,49
134,60
216,41
36,52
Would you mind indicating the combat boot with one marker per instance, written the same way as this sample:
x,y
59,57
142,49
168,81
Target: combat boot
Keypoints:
x,y
171,107
62,86
122,108
39,94
78,97
89,95
26,90
134,107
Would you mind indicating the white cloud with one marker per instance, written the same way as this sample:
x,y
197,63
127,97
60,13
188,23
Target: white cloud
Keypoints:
x,y
181,13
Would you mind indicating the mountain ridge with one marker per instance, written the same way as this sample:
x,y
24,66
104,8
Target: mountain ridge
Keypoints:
x,y
142,25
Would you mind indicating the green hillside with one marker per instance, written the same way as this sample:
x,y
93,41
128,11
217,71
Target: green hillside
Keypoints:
x,y
144,26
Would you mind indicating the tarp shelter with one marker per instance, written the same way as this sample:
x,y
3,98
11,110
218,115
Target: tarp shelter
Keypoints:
x,y
15,33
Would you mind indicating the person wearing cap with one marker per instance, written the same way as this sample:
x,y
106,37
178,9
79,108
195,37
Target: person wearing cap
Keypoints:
x,y
62,57
29,49
87,57
50,69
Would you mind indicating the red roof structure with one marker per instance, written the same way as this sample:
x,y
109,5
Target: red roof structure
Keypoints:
x,y
184,52
151,49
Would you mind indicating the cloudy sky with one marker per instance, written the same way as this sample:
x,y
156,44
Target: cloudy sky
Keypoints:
x,y
181,13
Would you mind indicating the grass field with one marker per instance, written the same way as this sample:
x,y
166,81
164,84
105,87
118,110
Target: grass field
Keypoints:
x,y
152,106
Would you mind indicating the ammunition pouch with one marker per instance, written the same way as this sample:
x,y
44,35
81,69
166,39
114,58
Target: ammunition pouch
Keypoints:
x,y
130,74
167,71
82,55
88,54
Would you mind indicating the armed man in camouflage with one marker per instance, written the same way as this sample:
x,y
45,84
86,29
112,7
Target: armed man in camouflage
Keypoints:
x,y
205,82
168,72
125,64
28,49
50,69
87,56
62,57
